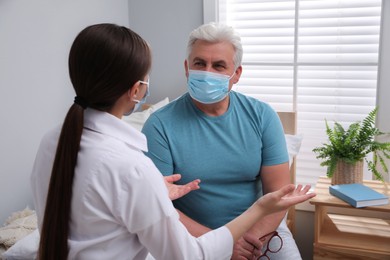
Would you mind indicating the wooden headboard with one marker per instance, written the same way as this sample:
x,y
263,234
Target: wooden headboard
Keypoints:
x,y
289,122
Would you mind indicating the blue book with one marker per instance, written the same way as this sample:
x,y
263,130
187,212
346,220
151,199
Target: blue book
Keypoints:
x,y
358,195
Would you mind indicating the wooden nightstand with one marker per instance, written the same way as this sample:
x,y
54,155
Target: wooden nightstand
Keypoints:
x,y
344,232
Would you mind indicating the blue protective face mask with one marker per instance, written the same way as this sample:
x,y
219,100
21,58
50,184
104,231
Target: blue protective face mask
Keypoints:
x,y
139,102
208,87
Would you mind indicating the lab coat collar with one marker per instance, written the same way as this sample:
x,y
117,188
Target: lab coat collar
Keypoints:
x,y
110,125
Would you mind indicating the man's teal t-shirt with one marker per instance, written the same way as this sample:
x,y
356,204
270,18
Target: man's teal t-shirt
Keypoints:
x,y
225,152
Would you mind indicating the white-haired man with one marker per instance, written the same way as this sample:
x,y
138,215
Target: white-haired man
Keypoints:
x,y
228,140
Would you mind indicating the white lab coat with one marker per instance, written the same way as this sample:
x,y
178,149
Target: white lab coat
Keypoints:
x,y
120,204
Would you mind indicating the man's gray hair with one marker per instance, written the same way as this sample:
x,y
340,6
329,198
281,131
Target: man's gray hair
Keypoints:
x,y
216,32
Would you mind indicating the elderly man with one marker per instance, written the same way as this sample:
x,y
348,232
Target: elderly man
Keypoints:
x,y
233,143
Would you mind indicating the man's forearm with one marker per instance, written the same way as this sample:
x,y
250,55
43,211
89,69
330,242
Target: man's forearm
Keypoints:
x,y
192,226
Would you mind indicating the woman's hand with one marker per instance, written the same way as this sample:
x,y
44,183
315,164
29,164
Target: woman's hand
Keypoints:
x,y
177,191
284,198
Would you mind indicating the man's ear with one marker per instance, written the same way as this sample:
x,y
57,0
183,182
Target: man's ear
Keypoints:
x,y
186,67
237,75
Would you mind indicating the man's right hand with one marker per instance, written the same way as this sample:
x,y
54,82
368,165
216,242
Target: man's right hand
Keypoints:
x,y
247,247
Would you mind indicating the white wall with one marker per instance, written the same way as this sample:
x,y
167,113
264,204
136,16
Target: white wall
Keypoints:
x,y
166,25
35,90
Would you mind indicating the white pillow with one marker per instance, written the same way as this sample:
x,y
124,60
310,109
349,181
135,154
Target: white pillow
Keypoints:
x,y
24,249
138,119
293,145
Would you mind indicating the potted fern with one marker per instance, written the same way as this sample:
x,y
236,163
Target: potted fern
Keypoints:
x,y
344,154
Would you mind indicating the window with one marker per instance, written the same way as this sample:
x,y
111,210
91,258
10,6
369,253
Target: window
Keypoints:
x,y
317,57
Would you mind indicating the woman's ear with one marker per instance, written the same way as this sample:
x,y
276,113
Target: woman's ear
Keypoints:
x,y
133,91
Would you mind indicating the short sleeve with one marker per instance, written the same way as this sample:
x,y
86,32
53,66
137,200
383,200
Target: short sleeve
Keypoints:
x,y
274,142
158,145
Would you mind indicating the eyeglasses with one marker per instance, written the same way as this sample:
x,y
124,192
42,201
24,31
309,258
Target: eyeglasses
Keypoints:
x,y
147,93
274,244
144,81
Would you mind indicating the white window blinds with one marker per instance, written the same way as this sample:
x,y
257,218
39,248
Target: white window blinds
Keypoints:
x,y
317,57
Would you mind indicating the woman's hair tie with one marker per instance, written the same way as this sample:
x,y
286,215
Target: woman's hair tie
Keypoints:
x,y
81,102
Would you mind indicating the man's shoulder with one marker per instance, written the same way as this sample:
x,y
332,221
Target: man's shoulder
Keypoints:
x,y
248,101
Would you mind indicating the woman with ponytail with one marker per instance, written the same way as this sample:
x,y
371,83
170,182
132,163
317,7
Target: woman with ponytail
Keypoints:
x,y
96,194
